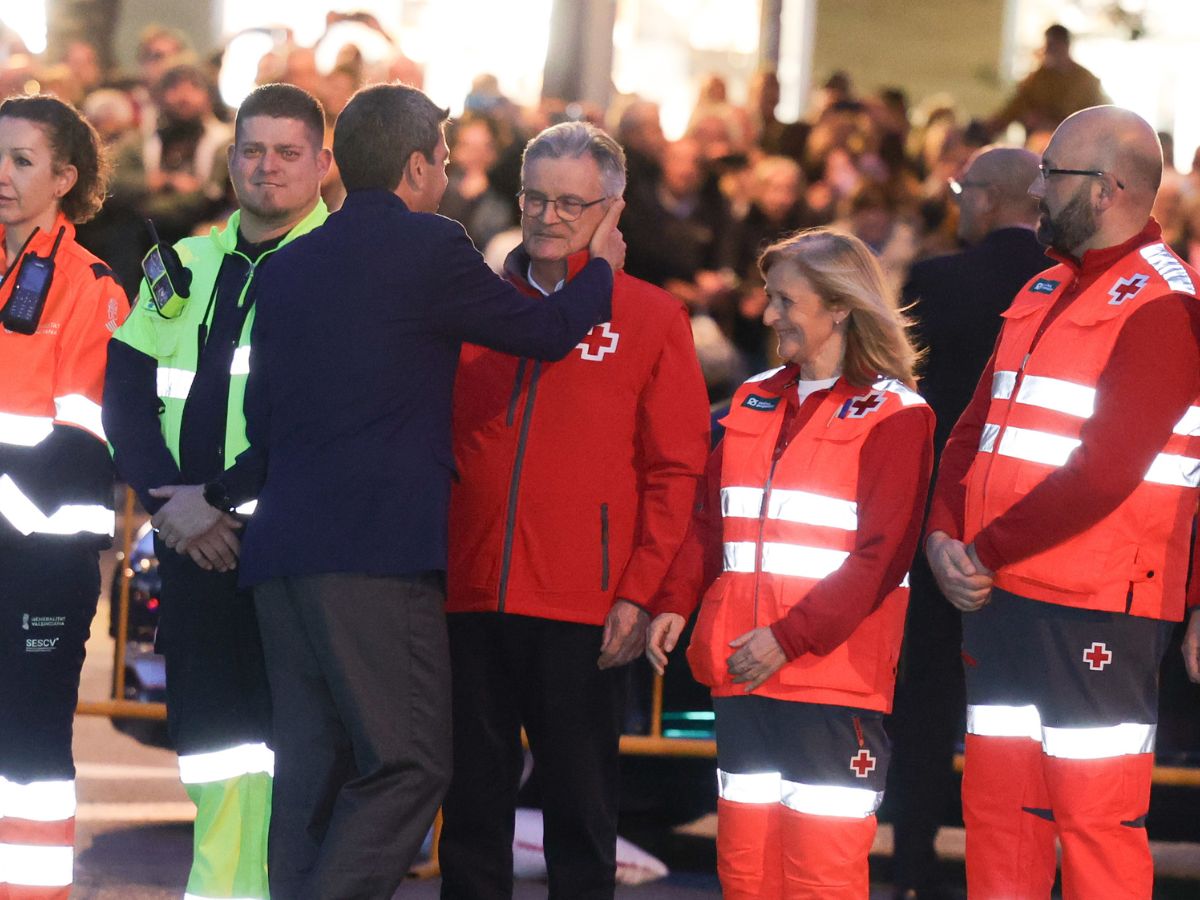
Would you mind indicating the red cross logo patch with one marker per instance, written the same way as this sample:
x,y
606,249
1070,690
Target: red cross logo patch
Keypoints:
x,y
598,342
863,764
1097,656
859,407
1127,288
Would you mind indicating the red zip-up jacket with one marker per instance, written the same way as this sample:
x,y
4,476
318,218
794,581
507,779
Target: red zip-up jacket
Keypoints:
x,y
577,478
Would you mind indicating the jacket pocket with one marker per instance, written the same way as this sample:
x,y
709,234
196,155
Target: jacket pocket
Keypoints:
x,y
604,546
707,652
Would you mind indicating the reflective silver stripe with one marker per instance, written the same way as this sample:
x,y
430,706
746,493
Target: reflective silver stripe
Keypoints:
x,y
1190,423
38,801
1004,721
987,438
1061,396
801,507
831,800
240,364
763,376
31,865
1037,446
1099,743
757,787
807,508
247,508
741,502
1169,268
70,518
784,559
76,409
802,562
1003,383
1170,468
908,397
24,431
174,384
221,765
904,581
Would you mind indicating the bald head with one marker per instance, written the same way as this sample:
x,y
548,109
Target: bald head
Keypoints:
x,y
996,192
1104,166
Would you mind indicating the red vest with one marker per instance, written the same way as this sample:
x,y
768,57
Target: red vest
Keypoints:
x,y
787,523
1136,559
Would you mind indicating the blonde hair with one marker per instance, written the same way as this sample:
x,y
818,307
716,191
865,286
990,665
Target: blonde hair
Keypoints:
x,y
845,275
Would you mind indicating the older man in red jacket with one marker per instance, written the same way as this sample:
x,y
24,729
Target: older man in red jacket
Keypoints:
x,y
576,481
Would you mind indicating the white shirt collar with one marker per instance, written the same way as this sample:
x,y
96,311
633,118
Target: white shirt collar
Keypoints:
x,y
533,283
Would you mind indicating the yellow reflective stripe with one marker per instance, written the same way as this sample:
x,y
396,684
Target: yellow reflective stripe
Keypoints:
x,y
76,409
221,765
908,397
70,518
30,865
1003,383
1004,721
1190,423
1171,468
247,508
24,431
741,502
784,559
38,801
1169,268
1058,395
240,364
1036,446
831,800
1128,738
174,384
808,508
756,787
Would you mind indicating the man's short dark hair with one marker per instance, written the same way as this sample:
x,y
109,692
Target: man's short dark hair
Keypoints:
x,y
284,101
378,132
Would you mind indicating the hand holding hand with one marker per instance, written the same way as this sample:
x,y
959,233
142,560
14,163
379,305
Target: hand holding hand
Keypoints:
x,y
186,515
1191,647
965,581
662,638
624,634
217,549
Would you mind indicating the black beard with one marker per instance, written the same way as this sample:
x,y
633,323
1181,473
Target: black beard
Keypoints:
x,y
1071,228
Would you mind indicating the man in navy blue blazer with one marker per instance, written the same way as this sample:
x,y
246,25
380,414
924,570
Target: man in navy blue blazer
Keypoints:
x,y
356,343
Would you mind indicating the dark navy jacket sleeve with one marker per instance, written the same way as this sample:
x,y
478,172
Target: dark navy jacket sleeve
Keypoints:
x,y
473,304
131,424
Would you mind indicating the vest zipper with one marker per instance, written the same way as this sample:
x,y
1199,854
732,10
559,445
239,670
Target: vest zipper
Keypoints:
x,y
781,443
510,522
604,546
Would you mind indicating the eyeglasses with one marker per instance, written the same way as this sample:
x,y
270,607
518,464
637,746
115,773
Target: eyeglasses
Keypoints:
x,y
1047,171
957,187
568,208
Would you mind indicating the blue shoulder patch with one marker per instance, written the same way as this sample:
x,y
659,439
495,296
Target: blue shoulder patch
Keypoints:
x,y
1043,286
762,404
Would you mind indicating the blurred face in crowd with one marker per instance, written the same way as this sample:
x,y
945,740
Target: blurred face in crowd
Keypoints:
x,y
778,191
474,149
276,169
82,60
31,182
156,56
809,332
187,101
681,168
548,236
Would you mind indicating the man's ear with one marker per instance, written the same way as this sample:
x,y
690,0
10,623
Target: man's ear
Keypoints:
x,y
415,169
324,161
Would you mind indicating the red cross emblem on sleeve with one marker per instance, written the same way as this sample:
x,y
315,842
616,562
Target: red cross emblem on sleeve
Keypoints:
x,y
863,764
1127,288
598,342
1097,656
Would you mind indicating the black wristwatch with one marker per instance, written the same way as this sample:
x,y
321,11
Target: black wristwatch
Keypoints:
x,y
216,495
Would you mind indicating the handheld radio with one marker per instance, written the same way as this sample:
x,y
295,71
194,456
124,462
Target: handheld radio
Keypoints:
x,y
27,300
169,280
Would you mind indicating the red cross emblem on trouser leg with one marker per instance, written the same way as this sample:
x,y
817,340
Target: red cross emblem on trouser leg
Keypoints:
x,y
598,342
1097,656
863,764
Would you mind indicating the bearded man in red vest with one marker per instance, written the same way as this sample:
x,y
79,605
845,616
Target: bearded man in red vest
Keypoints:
x,y
1062,522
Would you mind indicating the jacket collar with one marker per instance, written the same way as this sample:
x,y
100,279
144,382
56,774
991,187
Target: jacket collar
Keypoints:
x,y
226,237
1096,262
516,267
43,241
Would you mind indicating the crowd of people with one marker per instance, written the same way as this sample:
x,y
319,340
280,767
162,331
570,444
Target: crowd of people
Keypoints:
x,y
414,475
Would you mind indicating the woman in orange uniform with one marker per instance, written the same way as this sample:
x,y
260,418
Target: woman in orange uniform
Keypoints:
x,y
58,306
811,516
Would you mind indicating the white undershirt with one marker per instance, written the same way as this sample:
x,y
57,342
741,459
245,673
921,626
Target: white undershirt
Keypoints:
x,y
804,388
533,283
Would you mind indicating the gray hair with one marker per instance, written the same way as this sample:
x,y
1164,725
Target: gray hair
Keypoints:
x,y
575,140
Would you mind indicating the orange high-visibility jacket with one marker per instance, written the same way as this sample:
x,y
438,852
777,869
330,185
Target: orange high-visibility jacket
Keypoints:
x,y
789,520
1134,560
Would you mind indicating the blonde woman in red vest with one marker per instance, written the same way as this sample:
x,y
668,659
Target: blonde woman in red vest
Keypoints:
x,y
800,550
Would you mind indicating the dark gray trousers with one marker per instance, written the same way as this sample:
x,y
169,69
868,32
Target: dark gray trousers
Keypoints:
x,y
360,687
